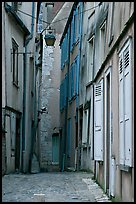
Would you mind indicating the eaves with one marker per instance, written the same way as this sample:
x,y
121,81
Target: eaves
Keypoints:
x,y
68,21
115,46
10,10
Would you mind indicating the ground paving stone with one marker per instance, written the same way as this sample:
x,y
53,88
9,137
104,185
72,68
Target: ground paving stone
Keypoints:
x,y
51,187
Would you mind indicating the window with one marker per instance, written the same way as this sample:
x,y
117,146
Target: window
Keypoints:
x,y
73,79
125,105
63,92
15,62
102,40
90,59
77,74
111,16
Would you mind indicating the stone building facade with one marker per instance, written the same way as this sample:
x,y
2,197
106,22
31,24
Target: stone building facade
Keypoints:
x,y
102,121
50,92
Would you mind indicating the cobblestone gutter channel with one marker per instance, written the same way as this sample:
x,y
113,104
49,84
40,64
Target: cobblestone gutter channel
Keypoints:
x,y
95,189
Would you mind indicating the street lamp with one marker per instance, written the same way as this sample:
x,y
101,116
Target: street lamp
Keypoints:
x,y
49,37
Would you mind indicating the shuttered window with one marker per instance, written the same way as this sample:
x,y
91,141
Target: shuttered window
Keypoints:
x,y
98,121
125,106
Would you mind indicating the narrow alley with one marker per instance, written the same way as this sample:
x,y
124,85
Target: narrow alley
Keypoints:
x,y
52,187
67,101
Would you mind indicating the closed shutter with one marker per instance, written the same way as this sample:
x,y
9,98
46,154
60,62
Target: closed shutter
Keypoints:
x,y
121,120
127,107
98,122
77,75
70,83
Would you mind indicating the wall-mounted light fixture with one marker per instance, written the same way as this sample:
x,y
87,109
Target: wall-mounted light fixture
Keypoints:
x,y
49,32
50,37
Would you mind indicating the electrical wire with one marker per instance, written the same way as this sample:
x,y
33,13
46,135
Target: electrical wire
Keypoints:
x,y
57,20
31,16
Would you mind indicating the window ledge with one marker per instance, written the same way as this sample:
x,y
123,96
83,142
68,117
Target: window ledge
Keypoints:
x,y
125,168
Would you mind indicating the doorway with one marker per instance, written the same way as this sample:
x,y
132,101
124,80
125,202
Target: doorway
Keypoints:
x,y
80,136
55,148
107,130
17,147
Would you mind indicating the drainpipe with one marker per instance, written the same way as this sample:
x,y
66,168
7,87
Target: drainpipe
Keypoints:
x,y
80,44
5,58
26,41
93,91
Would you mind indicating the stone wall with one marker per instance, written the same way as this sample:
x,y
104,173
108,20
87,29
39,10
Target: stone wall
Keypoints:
x,y
3,154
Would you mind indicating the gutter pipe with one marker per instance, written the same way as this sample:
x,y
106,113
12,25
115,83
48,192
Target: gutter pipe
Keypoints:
x,y
26,41
80,44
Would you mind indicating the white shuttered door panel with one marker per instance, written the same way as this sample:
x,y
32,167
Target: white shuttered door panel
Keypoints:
x,y
98,122
121,107
127,106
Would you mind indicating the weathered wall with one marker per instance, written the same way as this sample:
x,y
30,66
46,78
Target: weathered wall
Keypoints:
x,y
13,95
3,154
122,12
50,91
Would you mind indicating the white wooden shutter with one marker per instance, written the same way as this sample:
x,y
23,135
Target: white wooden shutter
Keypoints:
x,y
98,121
121,107
127,106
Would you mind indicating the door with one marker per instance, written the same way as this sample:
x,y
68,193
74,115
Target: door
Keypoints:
x,y
17,147
108,132
98,121
55,148
108,144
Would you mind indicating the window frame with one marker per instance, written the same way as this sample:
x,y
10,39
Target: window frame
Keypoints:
x,y
15,62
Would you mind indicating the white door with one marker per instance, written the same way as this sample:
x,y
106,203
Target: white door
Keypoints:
x,y
98,121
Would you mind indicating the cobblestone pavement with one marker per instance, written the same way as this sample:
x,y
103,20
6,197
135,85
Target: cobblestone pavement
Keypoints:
x,y
51,187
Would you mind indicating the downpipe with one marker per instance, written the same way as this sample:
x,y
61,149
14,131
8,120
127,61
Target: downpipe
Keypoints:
x,y
26,42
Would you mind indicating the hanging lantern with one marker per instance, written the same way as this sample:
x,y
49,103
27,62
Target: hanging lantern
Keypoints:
x,y
50,37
